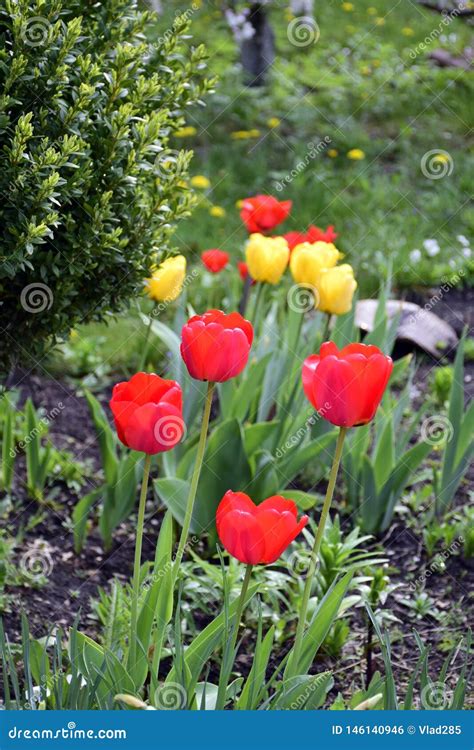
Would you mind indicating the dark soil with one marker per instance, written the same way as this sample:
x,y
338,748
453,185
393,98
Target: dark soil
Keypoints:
x,y
72,580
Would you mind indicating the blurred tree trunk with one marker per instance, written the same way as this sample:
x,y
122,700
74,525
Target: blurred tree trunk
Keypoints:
x,y
258,52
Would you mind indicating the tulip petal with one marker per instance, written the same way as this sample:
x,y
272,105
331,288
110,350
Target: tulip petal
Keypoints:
x,y
233,501
309,369
242,537
285,542
276,527
143,388
122,412
154,428
278,503
336,391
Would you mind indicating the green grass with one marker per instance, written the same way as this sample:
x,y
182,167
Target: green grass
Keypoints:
x,y
362,86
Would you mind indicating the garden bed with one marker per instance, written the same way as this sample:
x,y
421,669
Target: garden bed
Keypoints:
x,y
71,580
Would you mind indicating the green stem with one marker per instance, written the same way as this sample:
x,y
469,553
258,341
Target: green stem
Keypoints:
x,y
146,342
194,481
256,312
326,327
294,663
137,563
230,647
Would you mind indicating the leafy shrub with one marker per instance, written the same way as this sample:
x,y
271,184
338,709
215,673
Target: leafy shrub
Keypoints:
x,y
90,185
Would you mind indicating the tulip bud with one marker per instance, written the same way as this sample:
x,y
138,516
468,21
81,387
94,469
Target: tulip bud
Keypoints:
x,y
267,257
335,289
309,260
166,282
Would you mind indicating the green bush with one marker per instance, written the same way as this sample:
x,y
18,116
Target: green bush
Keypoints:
x,y
90,184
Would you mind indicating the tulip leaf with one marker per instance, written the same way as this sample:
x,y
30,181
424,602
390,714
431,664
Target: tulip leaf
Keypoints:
x,y
105,437
264,481
255,684
80,516
460,445
271,383
345,329
370,510
8,444
91,663
294,461
399,479
225,467
172,342
304,692
256,435
324,616
253,376
201,648
174,494
158,603
384,459
304,500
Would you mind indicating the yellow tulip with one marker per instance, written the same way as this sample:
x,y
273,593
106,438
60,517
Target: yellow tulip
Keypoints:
x,y
267,257
308,260
167,281
335,289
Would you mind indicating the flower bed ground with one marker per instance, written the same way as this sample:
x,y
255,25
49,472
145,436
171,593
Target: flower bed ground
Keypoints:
x,y
70,581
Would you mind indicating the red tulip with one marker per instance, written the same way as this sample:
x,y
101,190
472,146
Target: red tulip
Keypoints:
x,y
295,238
314,234
215,346
263,213
244,272
148,413
243,269
346,386
257,534
215,260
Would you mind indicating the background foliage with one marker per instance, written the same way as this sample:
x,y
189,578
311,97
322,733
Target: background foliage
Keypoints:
x,y
90,186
